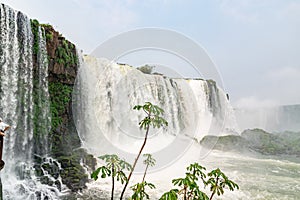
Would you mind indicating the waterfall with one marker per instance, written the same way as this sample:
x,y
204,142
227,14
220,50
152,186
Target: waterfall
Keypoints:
x,y
271,119
42,105
107,123
16,86
24,104
104,96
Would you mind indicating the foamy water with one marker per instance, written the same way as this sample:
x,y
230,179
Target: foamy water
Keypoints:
x,y
258,178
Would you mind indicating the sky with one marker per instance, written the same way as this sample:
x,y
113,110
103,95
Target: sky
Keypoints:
x,y
254,43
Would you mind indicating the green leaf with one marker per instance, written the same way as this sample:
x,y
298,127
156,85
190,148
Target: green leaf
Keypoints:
x,y
104,172
171,195
95,174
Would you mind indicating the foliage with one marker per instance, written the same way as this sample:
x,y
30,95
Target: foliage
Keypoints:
x,y
60,96
256,140
112,162
153,116
47,26
153,119
146,69
49,36
40,98
35,31
170,195
189,185
150,161
187,188
218,181
139,190
65,54
114,167
190,188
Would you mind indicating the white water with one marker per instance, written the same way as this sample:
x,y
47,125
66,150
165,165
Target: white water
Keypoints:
x,y
258,178
17,108
109,91
107,124
194,108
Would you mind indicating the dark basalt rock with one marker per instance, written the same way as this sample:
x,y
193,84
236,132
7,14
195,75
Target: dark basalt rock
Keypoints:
x,y
63,138
62,57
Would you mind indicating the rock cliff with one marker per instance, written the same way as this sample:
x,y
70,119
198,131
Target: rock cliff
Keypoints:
x,y
64,143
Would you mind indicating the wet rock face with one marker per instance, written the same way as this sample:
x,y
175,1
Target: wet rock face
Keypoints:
x,y
62,57
38,71
63,139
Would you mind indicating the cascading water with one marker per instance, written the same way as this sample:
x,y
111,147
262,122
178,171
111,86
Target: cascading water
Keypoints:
x,y
42,105
109,91
106,93
24,104
16,70
103,99
106,122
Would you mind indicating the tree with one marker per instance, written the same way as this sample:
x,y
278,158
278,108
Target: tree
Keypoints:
x,y
114,167
218,181
171,195
139,190
146,69
153,119
150,161
189,188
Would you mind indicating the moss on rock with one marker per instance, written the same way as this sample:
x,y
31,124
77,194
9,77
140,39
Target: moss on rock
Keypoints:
x,y
63,138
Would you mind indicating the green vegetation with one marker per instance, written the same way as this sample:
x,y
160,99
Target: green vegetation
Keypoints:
x,y
60,96
49,35
150,161
73,174
139,188
40,105
187,188
35,31
47,26
218,181
114,167
256,140
65,54
40,100
225,143
189,185
153,119
139,192
63,138
146,69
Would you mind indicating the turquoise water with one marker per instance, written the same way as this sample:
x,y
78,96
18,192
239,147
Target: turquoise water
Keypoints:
x,y
259,178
